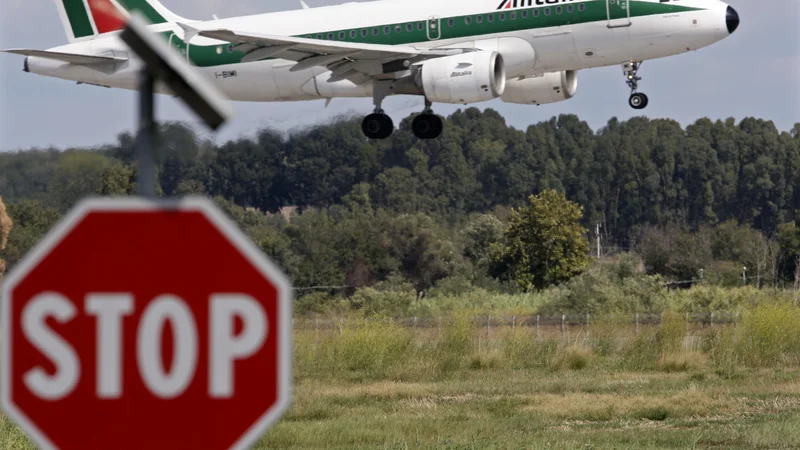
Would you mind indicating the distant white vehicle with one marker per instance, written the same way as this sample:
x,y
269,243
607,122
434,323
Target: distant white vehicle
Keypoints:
x,y
466,51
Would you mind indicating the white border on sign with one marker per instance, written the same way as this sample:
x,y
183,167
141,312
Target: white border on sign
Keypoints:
x,y
131,204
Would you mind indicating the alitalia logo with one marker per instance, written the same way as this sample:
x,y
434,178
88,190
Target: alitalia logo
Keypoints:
x,y
508,4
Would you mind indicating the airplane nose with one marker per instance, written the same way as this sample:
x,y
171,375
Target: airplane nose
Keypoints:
x,y
731,20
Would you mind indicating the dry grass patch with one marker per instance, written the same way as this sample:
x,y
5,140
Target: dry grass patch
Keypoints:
x,y
601,407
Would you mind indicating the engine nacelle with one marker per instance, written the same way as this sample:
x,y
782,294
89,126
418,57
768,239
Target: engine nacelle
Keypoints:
x,y
548,88
466,78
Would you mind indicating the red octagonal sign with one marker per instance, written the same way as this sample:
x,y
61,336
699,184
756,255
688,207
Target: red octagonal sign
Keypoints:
x,y
139,324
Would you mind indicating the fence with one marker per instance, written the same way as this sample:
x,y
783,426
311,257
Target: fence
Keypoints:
x,y
560,321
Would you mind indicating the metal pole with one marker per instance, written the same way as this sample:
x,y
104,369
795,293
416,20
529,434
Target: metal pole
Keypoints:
x,y
146,182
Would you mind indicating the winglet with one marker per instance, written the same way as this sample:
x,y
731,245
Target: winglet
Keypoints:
x,y
189,32
303,4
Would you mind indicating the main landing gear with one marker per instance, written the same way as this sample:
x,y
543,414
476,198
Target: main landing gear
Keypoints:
x,y
380,126
637,100
427,125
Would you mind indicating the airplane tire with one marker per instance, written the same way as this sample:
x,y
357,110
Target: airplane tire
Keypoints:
x,y
427,126
377,126
638,101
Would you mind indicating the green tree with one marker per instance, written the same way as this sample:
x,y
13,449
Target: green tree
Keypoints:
x,y
32,220
544,242
118,180
78,174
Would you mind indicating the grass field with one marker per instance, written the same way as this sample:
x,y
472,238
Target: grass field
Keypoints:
x,y
375,384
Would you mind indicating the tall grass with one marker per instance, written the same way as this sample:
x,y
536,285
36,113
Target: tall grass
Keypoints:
x,y
768,335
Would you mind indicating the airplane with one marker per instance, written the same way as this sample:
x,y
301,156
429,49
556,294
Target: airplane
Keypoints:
x,y
446,51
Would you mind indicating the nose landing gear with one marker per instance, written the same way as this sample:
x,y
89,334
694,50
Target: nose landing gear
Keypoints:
x,y
637,100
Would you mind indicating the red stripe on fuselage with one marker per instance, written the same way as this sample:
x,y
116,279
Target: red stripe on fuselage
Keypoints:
x,y
106,16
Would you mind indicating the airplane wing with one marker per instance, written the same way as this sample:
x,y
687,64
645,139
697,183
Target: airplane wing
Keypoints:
x,y
357,62
72,58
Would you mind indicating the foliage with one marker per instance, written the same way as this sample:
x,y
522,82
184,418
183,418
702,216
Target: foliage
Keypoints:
x,y
32,220
544,243
714,196
5,228
76,175
118,180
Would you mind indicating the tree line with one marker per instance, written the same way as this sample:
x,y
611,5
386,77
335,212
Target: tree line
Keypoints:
x,y
717,196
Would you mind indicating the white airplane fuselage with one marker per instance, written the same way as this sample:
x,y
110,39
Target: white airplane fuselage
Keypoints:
x,y
584,34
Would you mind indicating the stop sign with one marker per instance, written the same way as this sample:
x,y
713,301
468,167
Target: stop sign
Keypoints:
x,y
140,324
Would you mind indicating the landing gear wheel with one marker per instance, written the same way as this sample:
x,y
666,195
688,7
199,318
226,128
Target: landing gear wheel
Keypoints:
x,y
638,100
427,126
377,126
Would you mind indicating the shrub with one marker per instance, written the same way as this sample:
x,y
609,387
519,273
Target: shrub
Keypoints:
x,y
671,332
574,358
368,346
682,361
768,333
485,360
522,350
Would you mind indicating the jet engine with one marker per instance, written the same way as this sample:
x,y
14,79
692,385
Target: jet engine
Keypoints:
x,y
466,78
547,88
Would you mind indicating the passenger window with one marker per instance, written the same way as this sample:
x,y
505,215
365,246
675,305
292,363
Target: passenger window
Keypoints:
x,y
319,36
330,36
342,35
451,23
468,20
490,17
513,15
535,13
398,28
353,34
581,7
502,16
524,13
420,26
558,10
375,31
409,27
364,32
387,30
570,9
547,11
479,19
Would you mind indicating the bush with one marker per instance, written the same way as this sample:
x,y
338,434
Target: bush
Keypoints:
x,y
458,340
682,361
769,333
522,350
372,346
574,358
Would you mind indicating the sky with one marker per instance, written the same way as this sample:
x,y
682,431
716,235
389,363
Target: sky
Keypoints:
x,y
754,72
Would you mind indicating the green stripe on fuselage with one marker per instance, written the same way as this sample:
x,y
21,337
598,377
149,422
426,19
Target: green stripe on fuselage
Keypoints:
x,y
595,11
142,6
78,18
